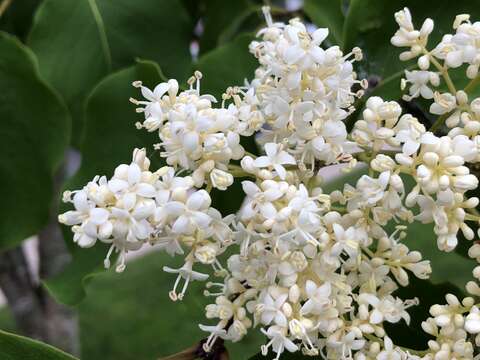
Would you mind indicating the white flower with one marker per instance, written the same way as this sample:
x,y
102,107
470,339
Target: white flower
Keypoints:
x,y
411,133
271,310
94,220
420,81
443,103
186,273
216,332
190,215
347,240
278,341
387,308
390,352
472,321
259,200
346,342
191,131
318,298
275,158
221,179
407,36
318,269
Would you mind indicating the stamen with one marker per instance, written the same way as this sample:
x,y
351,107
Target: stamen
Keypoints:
x,y
106,262
173,293
121,266
267,15
184,289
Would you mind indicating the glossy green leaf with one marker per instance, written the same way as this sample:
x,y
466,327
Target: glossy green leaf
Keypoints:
x,y
78,42
327,13
15,347
250,20
138,299
110,138
34,132
218,15
227,65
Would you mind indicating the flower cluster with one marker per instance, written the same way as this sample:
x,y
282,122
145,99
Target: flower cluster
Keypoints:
x,y
303,92
137,206
194,136
315,271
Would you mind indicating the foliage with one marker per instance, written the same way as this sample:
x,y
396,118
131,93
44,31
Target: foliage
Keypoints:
x,y
35,128
15,347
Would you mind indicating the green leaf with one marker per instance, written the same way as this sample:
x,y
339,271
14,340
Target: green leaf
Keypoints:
x,y
78,42
109,141
138,299
34,128
249,20
15,347
327,13
219,14
227,65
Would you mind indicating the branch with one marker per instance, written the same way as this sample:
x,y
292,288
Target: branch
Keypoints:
x,y
22,294
4,6
61,322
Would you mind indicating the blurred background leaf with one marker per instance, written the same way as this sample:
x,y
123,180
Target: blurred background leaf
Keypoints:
x,y
110,137
328,14
219,14
15,347
78,42
35,129
227,65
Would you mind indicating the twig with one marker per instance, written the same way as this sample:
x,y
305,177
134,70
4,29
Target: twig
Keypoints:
x,y
4,6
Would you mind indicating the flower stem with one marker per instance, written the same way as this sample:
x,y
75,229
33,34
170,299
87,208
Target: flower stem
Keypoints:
x,y
472,84
443,71
439,122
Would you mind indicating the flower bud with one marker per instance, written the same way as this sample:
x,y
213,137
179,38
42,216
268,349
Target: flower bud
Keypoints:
x,y
221,179
424,62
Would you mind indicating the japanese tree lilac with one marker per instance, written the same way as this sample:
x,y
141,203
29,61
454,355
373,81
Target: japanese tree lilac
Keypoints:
x,y
314,271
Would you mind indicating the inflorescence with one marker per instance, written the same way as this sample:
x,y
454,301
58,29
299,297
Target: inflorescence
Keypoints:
x,y
315,271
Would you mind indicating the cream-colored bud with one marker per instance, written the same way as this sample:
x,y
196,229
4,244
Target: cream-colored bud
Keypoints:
x,y
294,294
476,272
473,288
459,19
462,97
221,179
424,62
